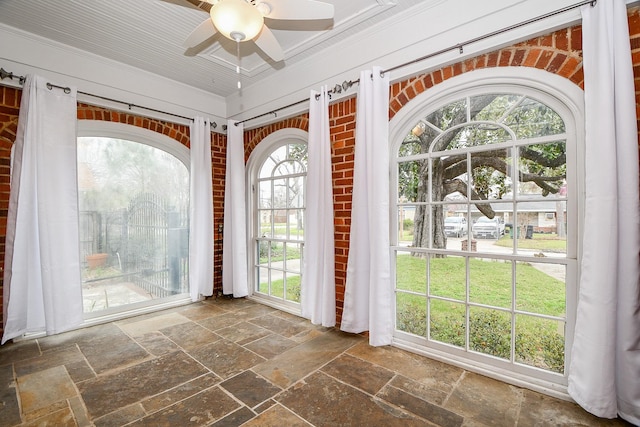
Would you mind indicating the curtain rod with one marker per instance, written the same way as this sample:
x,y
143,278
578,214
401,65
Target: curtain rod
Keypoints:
x,y
21,79
459,47
338,88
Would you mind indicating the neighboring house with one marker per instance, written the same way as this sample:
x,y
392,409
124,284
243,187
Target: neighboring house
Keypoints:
x,y
542,215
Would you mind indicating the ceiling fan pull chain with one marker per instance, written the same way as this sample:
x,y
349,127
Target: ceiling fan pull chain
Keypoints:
x,y
238,65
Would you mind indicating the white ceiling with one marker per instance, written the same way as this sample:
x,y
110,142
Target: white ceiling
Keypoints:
x,y
148,34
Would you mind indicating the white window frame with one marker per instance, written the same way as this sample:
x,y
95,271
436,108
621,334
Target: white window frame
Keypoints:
x,y
117,130
566,99
257,157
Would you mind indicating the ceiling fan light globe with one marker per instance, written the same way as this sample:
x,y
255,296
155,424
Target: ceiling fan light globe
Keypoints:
x,y
234,18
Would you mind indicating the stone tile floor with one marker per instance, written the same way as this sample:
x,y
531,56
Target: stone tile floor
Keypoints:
x,y
235,362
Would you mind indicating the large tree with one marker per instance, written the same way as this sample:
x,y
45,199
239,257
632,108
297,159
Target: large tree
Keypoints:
x,y
473,122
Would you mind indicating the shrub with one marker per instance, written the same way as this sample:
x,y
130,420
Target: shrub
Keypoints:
x,y
276,251
489,333
293,290
543,348
553,351
412,319
448,328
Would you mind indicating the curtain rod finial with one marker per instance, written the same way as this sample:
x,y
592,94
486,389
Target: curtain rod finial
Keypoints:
x,y
6,74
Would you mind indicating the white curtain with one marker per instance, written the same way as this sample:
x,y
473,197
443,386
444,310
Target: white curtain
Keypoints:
x,y
42,284
200,211
318,297
234,257
604,372
368,290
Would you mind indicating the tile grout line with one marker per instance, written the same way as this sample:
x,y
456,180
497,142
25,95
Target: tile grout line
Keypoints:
x,y
293,384
294,413
17,391
75,385
453,389
520,402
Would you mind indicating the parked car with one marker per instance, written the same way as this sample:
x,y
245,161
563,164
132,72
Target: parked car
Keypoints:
x,y
488,227
455,226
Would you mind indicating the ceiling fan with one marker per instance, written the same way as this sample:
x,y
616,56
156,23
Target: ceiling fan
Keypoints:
x,y
249,20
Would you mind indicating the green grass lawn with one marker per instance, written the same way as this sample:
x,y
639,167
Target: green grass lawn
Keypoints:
x,y
538,341
293,288
541,242
490,283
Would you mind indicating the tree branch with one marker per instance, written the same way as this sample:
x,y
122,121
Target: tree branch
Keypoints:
x,y
539,158
453,185
454,169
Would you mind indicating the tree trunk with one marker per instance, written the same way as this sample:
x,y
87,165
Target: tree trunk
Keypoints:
x,y
422,234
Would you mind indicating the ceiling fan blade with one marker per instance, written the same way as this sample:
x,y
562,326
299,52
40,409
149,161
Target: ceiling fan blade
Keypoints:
x,y
204,5
202,32
296,10
267,42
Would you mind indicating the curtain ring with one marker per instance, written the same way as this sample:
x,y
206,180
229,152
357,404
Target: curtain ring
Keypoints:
x,y
66,90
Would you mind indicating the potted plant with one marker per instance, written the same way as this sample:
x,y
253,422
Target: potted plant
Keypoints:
x,y
96,260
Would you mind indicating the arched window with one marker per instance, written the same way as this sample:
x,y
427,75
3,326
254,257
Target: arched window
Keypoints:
x,y
277,171
485,243
134,216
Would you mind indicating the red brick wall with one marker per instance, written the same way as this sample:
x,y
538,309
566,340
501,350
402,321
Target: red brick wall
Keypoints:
x,y
634,35
9,109
558,53
254,136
